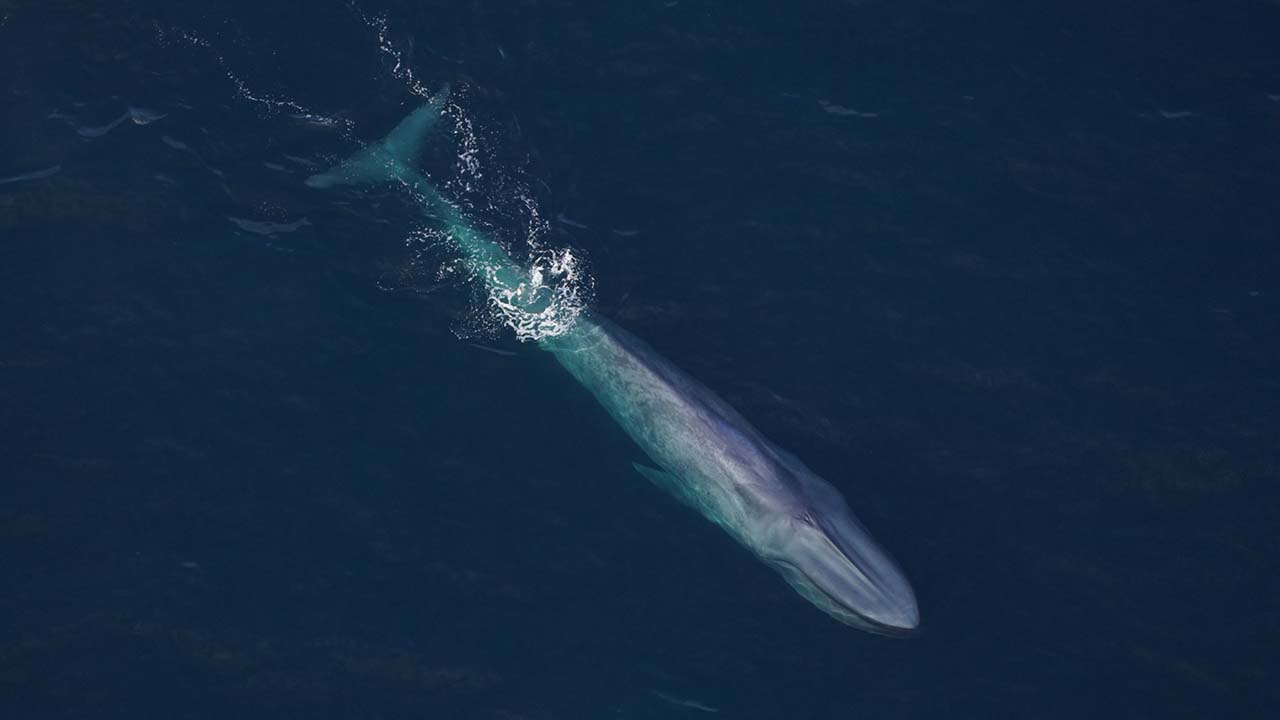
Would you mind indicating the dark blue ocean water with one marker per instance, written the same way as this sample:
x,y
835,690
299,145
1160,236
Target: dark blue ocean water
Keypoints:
x,y
1004,273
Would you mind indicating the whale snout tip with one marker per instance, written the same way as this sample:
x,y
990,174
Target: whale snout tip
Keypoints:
x,y
899,620
900,613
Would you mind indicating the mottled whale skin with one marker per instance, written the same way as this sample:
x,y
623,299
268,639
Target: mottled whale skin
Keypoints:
x,y
707,455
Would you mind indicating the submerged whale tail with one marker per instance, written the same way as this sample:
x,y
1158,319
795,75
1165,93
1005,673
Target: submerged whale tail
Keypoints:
x,y
521,296
390,159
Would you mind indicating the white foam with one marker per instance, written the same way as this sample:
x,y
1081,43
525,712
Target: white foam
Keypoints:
x,y
269,103
549,302
399,69
556,287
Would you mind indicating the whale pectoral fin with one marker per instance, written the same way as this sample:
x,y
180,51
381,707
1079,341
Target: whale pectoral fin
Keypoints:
x,y
667,482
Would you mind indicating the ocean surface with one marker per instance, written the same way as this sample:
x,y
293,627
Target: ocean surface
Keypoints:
x,y
1004,273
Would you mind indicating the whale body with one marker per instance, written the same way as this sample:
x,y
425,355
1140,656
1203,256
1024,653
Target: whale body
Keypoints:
x,y
713,460
706,454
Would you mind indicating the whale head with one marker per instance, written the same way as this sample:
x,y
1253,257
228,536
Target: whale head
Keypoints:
x,y
826,555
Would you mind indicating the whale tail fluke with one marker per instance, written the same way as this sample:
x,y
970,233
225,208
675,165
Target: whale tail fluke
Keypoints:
x,y
390,159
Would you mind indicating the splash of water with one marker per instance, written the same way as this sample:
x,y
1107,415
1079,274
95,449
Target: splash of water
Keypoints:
x,y
549,302
553,287
556,289
399,69
269,103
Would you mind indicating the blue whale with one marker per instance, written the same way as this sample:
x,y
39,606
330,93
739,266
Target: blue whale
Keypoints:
x,y
706,454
